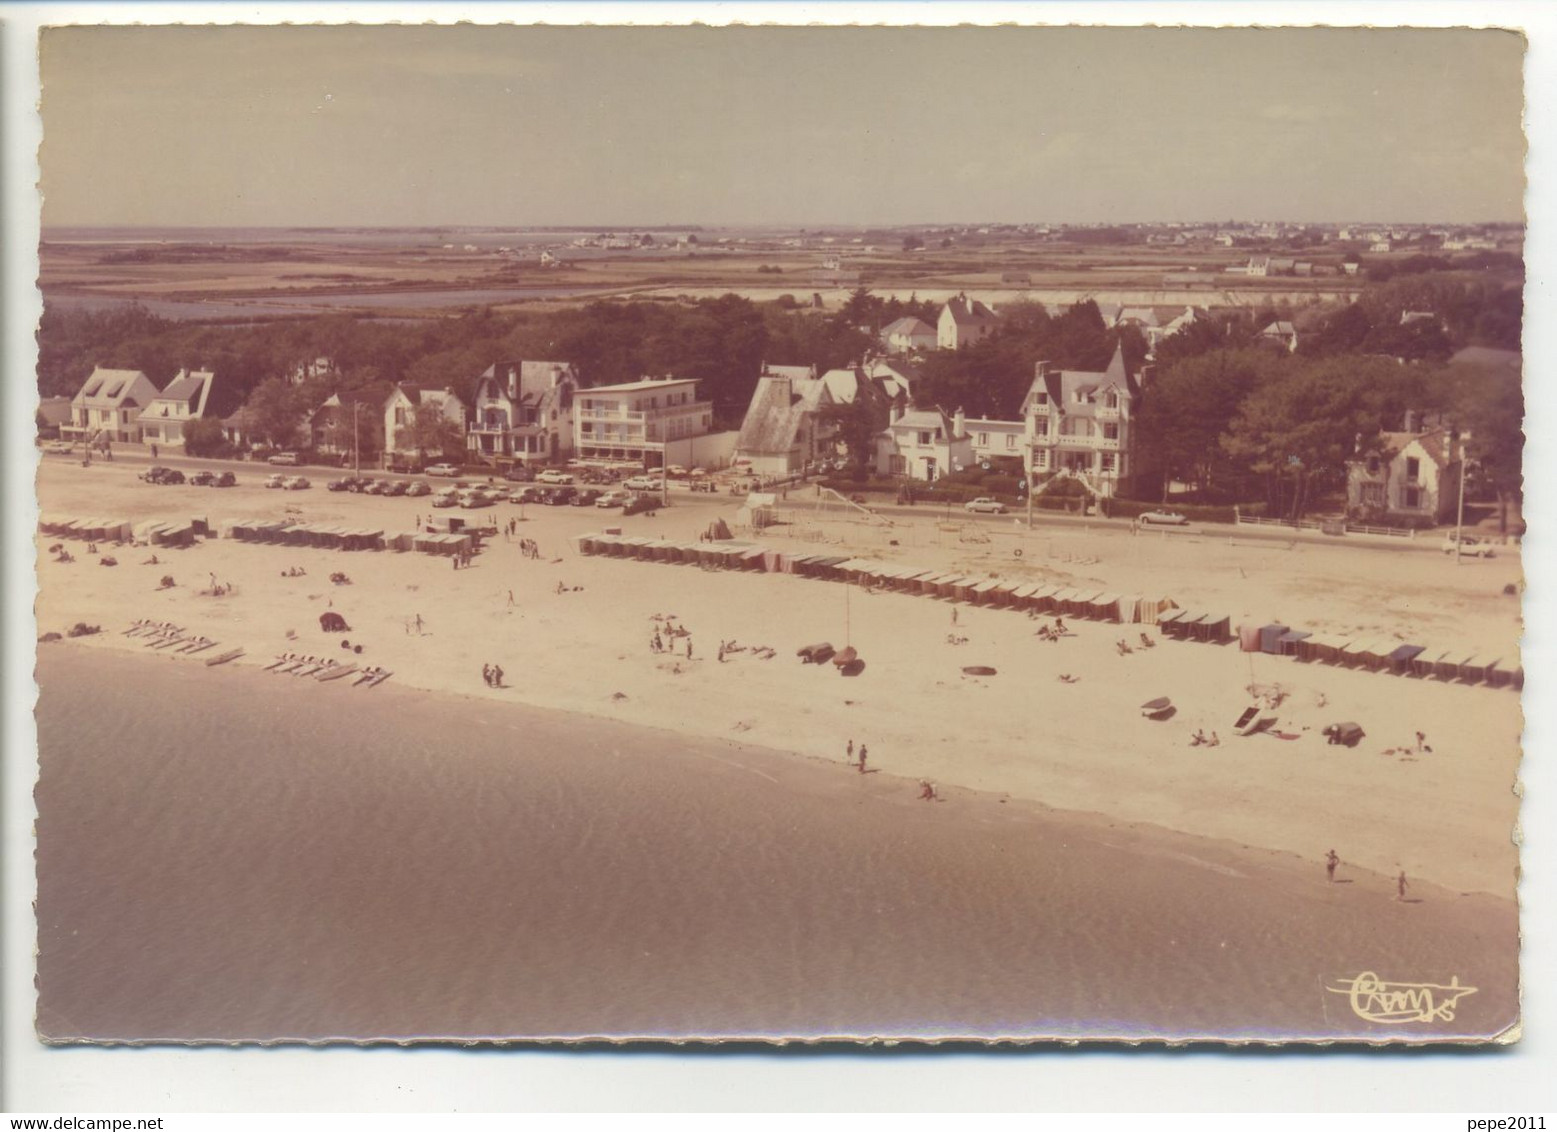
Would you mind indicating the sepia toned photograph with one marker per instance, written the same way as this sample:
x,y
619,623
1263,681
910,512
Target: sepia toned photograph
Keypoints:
x,y
779,533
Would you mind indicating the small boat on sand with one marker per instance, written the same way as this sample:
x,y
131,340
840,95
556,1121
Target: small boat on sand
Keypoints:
x,y
1160,708
223,658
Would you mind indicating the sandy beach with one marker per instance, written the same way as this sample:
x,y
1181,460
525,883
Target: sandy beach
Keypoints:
x,y
1445,816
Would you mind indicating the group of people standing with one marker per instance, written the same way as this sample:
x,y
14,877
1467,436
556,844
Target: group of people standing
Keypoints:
x,y
492,675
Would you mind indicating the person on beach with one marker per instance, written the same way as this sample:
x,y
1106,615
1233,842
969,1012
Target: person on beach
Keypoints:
x,y
849,752
926,790
689,647
1059,626
1401,885
1332,859
510,599
721,652
862,758
954,615
486,675
497,676
418,624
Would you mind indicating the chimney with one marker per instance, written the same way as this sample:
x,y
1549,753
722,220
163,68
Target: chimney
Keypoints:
x,y
1042,370
959,424
1410,420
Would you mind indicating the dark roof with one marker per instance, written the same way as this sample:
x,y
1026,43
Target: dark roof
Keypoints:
x,y
966,310
778,408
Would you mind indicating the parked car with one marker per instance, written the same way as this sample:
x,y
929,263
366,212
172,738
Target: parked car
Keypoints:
x,y
530,493
585,498
396,487
376,487
60,447
984,505
675,471
164,475
474,497
154,474
1163,518
295,483
442,470
445,498
518,474
226,479
417,487
202,479
559,496
616,497
338,485
284,459
553,476
1470,547
642,483
275,480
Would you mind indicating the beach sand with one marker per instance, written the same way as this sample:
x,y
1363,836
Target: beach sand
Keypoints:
x,y
1447,816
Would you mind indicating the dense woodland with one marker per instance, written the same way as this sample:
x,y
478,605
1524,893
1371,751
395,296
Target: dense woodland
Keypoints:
x,y
1223,412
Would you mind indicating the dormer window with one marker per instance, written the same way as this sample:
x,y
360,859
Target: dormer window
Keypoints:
x,y
1112,401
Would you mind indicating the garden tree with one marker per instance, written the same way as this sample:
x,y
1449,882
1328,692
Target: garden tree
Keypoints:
x,y
1339,332
810,338
203,437
912,242
278,409
1304,421
1201,336
858,422
1190,405
1488,407
431,432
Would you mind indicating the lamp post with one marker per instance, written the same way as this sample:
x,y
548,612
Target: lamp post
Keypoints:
x,y
356,451
1459,519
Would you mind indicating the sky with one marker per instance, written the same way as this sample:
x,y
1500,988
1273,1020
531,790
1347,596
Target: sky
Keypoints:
x,y
515,126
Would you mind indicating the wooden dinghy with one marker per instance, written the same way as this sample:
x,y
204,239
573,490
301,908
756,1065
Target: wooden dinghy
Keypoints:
x,y
978,670
337,672
223,658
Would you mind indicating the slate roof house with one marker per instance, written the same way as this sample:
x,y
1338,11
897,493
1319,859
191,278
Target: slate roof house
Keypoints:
x,y
1406,474
1078,423
783,429
524,413
400,411
109,405
908,334
185,399
963,322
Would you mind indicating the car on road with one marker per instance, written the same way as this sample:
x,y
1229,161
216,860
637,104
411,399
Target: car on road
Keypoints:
x,y
616,497
1470,546
283,459
585,498
518,474
203,479
295,483
553,476
275,480
338,485
448,497
675,471
225,479
642,483
1162,518
417,487
162,475
984,505
448,470
60,447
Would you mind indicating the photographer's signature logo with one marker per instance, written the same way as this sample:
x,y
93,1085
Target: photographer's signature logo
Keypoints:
x,y
1374,1000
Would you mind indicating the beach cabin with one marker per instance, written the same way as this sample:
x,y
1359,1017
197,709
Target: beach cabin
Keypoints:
x,y
1270,638
1248,638
1498,676
1212,629
1352,654
1473,669
1104,607
1401,660
1169,624
1447,666
1290,640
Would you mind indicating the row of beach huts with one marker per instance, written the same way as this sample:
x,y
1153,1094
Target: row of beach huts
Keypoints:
x,y
1374,654
975,589
277,532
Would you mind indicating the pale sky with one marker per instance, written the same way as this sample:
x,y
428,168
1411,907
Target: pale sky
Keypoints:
x,y
809,126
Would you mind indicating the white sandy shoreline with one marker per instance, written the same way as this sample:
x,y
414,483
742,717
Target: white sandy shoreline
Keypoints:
x,y
1082,747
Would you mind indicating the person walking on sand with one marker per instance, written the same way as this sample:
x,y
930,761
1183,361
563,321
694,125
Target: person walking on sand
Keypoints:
x,y
510,599
849,752
926,790
1331,861
418,624
1401,885
497,676
862,758
689,646
486,675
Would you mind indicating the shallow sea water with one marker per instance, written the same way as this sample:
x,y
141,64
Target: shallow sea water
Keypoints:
x,y
225,854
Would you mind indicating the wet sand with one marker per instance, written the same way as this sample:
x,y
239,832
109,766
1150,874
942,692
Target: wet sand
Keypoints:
x,y
228,855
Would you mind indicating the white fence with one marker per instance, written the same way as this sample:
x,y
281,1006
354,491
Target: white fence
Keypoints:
x,y
1329,528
